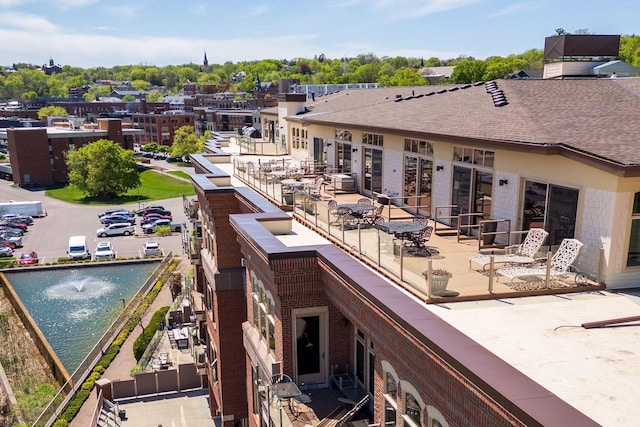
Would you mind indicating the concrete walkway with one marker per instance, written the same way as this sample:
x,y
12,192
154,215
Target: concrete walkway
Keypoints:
x,y
121,366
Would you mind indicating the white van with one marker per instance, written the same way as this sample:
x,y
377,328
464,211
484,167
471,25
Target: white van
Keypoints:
x,y
78,248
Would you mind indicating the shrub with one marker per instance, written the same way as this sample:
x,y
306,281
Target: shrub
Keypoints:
x,y
142,342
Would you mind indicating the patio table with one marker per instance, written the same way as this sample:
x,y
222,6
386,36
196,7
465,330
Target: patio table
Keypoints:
x,y
356,210
404,230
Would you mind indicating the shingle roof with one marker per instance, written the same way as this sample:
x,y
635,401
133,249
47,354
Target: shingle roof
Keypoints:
x,y
597,117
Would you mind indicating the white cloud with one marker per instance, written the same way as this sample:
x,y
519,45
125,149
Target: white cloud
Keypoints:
x,y
25,21
12,3
260,9
403,9
513,8
68,4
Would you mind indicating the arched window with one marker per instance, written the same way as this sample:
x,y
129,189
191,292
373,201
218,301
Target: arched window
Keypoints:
x,y
412,412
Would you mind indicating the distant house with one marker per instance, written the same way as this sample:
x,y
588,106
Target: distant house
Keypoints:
x,y
52,68
434,74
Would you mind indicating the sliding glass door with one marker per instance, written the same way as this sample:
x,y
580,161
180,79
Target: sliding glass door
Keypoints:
x,y
551,207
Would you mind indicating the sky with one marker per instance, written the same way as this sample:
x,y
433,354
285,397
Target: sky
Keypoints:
x,y
98,33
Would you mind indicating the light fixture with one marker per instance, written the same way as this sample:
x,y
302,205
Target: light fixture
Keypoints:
x,y
439,167
503,182
329,144
353,150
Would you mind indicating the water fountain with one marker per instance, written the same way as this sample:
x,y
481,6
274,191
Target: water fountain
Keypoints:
x,y
73,307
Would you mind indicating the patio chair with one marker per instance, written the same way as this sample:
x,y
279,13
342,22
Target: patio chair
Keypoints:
x,y
371,217
524,252
364,201
314,189
561,263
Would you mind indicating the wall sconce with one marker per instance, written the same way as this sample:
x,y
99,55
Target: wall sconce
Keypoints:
x,y
329,144
503,182
353,150
439,168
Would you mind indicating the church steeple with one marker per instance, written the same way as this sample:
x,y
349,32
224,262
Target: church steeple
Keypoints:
x,y
206,61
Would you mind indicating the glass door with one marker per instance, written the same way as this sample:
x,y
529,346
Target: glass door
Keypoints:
x,y
471,193
551,207
372,181
310,347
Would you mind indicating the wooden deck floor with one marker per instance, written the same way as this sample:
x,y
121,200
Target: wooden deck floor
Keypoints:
x,y
376,249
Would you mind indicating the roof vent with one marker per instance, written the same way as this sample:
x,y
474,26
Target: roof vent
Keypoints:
x,y
467,86
442,91
398,96
453,89
480,83
429,93
497,95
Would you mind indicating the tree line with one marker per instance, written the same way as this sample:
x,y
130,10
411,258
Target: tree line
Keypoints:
x,y
26,81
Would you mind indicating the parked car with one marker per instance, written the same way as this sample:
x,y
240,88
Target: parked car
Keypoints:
x,y
21,218
28,257
151,228
152,248
148,209
157,215
114,211
7,243
122,228
14,224
14,241
6,251
104,250
11,231
116,218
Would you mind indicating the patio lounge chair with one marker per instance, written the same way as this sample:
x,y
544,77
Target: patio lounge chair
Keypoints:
x,y
561,263
523,254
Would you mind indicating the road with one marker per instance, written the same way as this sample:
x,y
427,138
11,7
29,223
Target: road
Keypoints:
x,y
49,235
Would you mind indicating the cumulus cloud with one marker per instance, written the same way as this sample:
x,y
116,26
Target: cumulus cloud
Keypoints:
x,y
28,22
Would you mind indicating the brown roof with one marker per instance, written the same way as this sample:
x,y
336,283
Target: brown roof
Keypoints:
x,y
595,118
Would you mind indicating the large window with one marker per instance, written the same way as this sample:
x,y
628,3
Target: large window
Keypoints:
x,y
263,309
418,175
390,395
412,412
551,207
633,258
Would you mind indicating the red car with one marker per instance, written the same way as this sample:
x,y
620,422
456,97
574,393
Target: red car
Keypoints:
x,y
29,257
157,215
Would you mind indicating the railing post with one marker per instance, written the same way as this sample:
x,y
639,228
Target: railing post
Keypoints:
x,y
548,272
429,276
491,271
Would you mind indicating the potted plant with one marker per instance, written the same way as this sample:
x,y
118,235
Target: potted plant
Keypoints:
x,y
439,279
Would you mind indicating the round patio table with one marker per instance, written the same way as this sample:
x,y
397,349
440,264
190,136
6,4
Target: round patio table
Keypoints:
x,y
402,229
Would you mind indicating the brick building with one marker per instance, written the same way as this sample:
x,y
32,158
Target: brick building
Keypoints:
x,y
37,154
280,300
161,128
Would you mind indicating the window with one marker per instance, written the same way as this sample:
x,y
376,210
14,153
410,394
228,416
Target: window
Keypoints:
x,y
474,156
360,357
390,395
213,361
263,308
344,157
418,146
372,139
633,257
551,207
412,412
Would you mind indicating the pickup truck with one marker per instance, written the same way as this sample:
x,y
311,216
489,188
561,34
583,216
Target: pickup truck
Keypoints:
x,y
151,228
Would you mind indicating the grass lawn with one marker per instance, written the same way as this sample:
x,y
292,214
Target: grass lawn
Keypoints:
x,y
155,186
181,174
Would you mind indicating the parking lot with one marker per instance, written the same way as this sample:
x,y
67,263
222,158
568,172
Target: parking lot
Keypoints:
x,y
49,235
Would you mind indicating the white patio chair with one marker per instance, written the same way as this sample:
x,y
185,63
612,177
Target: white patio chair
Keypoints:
x,y
561,263
524,252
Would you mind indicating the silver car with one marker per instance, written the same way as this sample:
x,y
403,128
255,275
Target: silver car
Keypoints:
x,y
122,228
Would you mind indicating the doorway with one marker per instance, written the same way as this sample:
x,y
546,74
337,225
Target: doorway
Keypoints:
x,y
372,181
310,346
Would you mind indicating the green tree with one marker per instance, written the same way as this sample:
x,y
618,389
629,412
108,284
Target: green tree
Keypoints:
x,y
52,111
186,142
102,169
155,96
468,70
405,77
151,147
140,85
